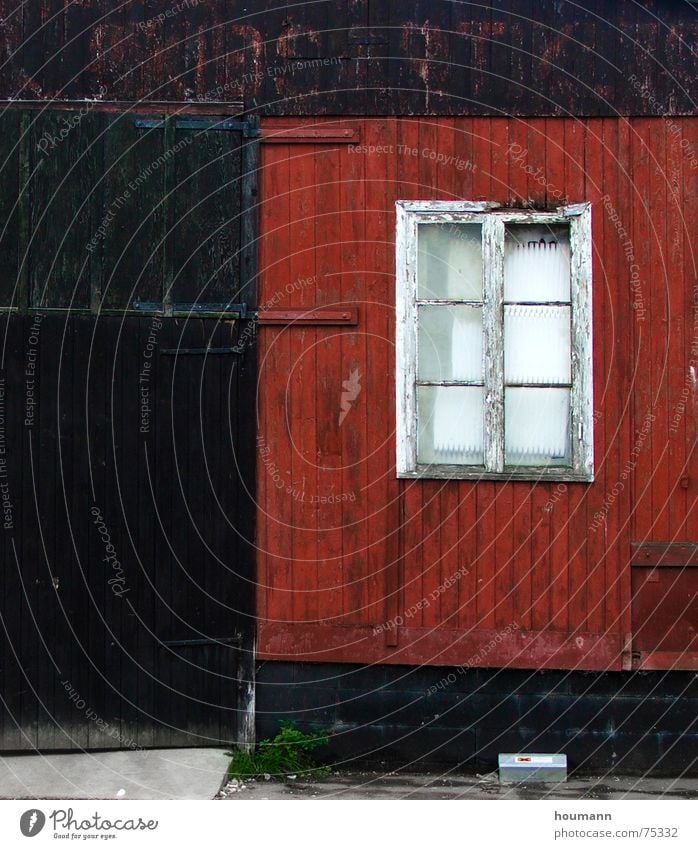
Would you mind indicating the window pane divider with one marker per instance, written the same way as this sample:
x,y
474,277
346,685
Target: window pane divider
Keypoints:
x,y
449,383
536,303
493,342
581,393
406,340
514,385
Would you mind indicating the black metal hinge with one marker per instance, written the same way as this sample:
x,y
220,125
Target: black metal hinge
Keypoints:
x,y
247,128
211,641
229,310
176,352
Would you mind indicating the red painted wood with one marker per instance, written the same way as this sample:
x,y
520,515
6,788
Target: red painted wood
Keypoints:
x,y
664,554
304,488
314,135
683,660
578,185
485,553
678,332
660,342
276,555
689,480
551,559
620,369
325,213
440,647
643,386
413,564
355,377
543,503
665,609
383,494
309,316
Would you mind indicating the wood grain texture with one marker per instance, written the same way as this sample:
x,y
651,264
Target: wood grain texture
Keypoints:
x,y
85,665
368,57
550,557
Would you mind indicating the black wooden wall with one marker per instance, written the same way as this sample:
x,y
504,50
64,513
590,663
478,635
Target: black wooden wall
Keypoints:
x,y
100,210
126,436
522,57
126,617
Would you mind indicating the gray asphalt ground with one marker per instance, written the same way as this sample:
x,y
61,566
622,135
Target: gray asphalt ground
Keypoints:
x,y
377,785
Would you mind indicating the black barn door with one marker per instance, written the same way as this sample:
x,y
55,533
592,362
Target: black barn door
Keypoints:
x,y
127,435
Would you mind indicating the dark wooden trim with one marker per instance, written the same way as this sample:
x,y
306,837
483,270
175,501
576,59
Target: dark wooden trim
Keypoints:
x,y
250,216
137,107
319,315
22,298
246,423
515,649
667,554
169,178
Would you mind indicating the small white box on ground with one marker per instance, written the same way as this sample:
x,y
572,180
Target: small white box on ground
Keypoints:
x,y
528,767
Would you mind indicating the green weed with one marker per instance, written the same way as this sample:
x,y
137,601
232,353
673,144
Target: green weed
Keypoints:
x,y
289,753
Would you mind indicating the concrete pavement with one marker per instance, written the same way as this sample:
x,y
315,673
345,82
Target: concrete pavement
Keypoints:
x,y
127,774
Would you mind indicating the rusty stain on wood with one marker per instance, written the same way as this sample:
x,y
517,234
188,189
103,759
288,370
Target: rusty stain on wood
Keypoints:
x,y
410,59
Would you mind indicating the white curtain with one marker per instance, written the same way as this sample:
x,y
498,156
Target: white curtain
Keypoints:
x,y
451,426
536,270
536,425
536,344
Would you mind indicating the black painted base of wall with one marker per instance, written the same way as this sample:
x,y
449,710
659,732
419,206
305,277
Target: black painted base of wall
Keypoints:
x,y
419,718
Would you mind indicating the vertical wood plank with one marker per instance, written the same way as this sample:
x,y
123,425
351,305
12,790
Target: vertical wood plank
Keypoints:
x,y
304,487
274,360
384,498
662,343
680,325
576,167
358,347
596,549
329,380
688,528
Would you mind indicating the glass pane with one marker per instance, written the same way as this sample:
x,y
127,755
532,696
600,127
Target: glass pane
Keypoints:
x,y
450,262
537,344
536,425
450,343
450,424
537,262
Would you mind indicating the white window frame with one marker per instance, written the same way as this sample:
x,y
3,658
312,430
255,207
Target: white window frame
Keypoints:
x,y
493,219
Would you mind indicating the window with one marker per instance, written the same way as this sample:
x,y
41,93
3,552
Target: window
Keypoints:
x,y
493,342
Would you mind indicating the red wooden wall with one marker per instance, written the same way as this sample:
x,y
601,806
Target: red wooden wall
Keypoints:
x,y
540,573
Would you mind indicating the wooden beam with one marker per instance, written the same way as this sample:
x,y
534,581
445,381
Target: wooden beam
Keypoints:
x,y
509,647
668,554
136,107
334,316
674,660
310,135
